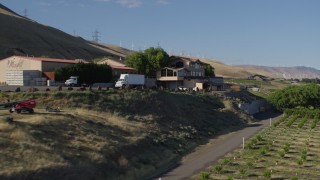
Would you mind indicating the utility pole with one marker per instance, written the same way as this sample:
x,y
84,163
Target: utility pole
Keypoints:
x,y
96,36
25,13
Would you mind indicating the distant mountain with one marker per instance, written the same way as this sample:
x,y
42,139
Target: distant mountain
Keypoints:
x,y
297,72
23,36
244,71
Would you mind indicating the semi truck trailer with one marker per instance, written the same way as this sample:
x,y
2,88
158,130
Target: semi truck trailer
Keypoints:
x,y
131,80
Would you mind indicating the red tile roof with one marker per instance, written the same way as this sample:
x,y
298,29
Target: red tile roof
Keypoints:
x,y
49,59
122,67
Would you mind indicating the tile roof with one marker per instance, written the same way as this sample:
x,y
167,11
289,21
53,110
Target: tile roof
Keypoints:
x,y
122,67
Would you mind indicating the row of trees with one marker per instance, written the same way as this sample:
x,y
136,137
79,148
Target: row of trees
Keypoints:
x,y
88,73
307,96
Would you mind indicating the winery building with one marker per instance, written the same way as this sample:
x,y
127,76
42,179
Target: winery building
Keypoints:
x,y
30,71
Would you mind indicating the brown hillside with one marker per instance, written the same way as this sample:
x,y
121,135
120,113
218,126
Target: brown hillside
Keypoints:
x,y
227,71
22,36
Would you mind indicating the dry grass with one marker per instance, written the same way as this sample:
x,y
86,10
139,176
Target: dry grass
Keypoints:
x,y
107,134
40,40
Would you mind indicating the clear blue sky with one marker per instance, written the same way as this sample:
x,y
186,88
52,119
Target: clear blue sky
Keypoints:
x,y
259,32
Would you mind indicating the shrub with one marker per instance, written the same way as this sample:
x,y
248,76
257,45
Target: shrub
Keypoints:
x,y
303,121
226,161
242,171
286,147
282,153
259,138
263,151
33,89
267,174
294,178
204,176
8,120
249,164
300,162
217,168
18,89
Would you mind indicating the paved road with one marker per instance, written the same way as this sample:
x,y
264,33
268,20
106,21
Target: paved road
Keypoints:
x,y
208,154
40,88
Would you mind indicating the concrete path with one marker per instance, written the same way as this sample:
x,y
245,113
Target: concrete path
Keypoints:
x,y
208,154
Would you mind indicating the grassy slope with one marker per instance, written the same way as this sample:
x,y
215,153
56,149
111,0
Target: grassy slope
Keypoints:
x,y
22,36
228,71
128,135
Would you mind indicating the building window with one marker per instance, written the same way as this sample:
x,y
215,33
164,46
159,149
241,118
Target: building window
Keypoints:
x,y
163,72
169,72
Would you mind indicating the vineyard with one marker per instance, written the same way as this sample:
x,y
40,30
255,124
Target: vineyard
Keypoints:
x,y
289,149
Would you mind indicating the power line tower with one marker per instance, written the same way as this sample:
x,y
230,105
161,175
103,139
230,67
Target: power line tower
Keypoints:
x,y
25,13
96,36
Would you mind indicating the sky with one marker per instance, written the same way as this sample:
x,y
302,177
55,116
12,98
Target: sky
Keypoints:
x,y
256,32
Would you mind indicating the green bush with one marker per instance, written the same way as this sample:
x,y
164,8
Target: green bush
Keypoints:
x,y
226,161
296,96
282,153
286,147
249,164
217,168
242,171
204,176
267,174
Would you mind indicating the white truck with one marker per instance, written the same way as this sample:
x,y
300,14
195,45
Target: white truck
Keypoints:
x,y
130,80
72,81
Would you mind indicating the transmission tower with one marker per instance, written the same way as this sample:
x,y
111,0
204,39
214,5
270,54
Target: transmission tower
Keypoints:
x,y
25,13
96,36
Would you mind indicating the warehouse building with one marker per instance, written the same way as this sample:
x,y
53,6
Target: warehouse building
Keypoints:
x,y
30,71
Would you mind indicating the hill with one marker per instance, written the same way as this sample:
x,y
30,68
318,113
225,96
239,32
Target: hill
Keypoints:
x,y
244,71
108,134
23,36
297,72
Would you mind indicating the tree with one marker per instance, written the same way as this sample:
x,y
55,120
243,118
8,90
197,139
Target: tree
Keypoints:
x,y
209,70
148,61
296,96
88,73
138,61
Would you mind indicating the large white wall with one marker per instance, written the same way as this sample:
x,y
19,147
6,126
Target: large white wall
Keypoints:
x,y
17,63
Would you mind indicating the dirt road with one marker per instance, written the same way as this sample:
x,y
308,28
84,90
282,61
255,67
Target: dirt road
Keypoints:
x,y
208,154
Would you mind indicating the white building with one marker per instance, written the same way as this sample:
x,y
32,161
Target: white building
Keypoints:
x,y
24,71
